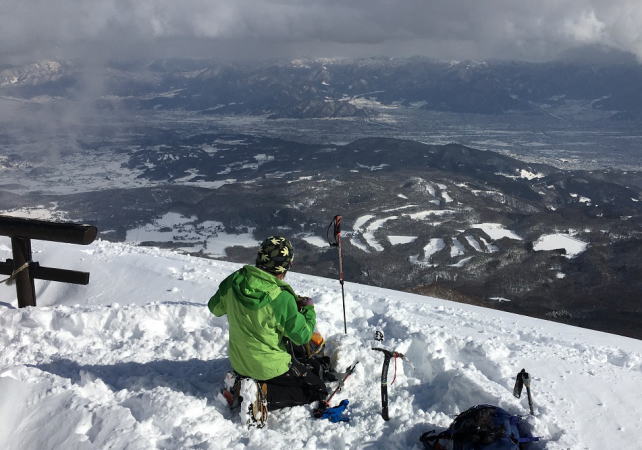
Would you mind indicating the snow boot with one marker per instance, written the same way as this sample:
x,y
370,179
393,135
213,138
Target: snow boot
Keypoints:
x,y
232,389
253,400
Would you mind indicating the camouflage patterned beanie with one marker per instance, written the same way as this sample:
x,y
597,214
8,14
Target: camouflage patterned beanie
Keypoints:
x,y
275,255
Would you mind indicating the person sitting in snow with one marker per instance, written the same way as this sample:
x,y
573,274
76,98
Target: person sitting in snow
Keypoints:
x,y
264,313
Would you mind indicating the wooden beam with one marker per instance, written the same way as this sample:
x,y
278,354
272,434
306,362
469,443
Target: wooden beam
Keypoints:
x,y
63,275
70,233
48,273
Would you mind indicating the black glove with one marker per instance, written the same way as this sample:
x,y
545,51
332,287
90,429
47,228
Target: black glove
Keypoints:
x,y
304,301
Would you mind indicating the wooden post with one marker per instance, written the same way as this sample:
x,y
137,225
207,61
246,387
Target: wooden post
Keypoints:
x,y
22,231
25,288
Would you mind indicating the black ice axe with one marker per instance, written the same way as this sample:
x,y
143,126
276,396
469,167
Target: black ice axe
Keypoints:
x,y
523,379
387,354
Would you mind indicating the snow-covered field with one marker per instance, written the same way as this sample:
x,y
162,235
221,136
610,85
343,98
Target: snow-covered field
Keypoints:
x,y
435,245
366,227
571,245
135,360
207,236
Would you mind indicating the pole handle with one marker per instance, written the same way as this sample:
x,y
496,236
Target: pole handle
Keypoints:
x,y
337,225
530,400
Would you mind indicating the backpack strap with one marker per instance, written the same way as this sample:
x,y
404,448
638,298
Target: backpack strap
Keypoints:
x,y
515,421
431,440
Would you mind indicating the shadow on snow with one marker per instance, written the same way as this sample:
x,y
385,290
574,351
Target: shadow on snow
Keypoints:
x,y
193,377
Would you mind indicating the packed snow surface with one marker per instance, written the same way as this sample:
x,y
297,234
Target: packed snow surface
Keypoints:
x,y
135,360
570,244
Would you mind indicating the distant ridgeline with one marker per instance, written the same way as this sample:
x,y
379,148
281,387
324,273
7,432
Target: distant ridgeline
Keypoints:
x,y
345,87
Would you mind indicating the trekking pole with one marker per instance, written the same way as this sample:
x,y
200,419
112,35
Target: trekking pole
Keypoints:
x,y
524,379
387,354
336,223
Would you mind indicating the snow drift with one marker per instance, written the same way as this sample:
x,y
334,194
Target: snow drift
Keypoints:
x,y
135,360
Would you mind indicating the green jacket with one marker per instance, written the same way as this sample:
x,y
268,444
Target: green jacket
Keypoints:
x,y
261,310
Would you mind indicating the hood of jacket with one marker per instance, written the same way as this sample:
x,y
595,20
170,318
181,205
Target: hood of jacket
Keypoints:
x,y
255,288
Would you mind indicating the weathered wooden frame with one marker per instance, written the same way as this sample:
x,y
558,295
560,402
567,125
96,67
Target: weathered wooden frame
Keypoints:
x,y
22,231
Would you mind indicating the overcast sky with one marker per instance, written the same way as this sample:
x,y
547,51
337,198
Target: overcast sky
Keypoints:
x,y
447,29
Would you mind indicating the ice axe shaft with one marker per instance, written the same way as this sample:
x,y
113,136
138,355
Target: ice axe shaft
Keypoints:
x,y
530,400
387,354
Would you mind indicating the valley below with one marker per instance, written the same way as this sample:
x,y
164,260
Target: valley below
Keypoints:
x,y
511,185
476,226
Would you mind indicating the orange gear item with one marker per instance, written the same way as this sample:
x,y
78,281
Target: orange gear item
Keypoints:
x,y
316,344
317,339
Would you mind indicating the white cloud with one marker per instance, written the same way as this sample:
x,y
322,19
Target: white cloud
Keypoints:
x,y
443,28
586,28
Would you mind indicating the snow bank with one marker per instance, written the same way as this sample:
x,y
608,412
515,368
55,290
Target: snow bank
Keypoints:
x,y
135,360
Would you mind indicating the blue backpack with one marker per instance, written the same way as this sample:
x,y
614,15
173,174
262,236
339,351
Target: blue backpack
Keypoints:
x,y
482,427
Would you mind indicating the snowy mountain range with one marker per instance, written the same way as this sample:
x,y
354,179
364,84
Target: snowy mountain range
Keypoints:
x,y
343,87
446,220
135,360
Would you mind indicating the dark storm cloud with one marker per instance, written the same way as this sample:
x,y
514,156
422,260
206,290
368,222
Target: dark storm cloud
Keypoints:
x,y
522,29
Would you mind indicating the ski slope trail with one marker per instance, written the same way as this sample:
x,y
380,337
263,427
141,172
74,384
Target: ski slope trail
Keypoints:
x,y
135,360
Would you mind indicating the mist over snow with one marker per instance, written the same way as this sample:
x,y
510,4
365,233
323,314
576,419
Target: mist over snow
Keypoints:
x,y
135,360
